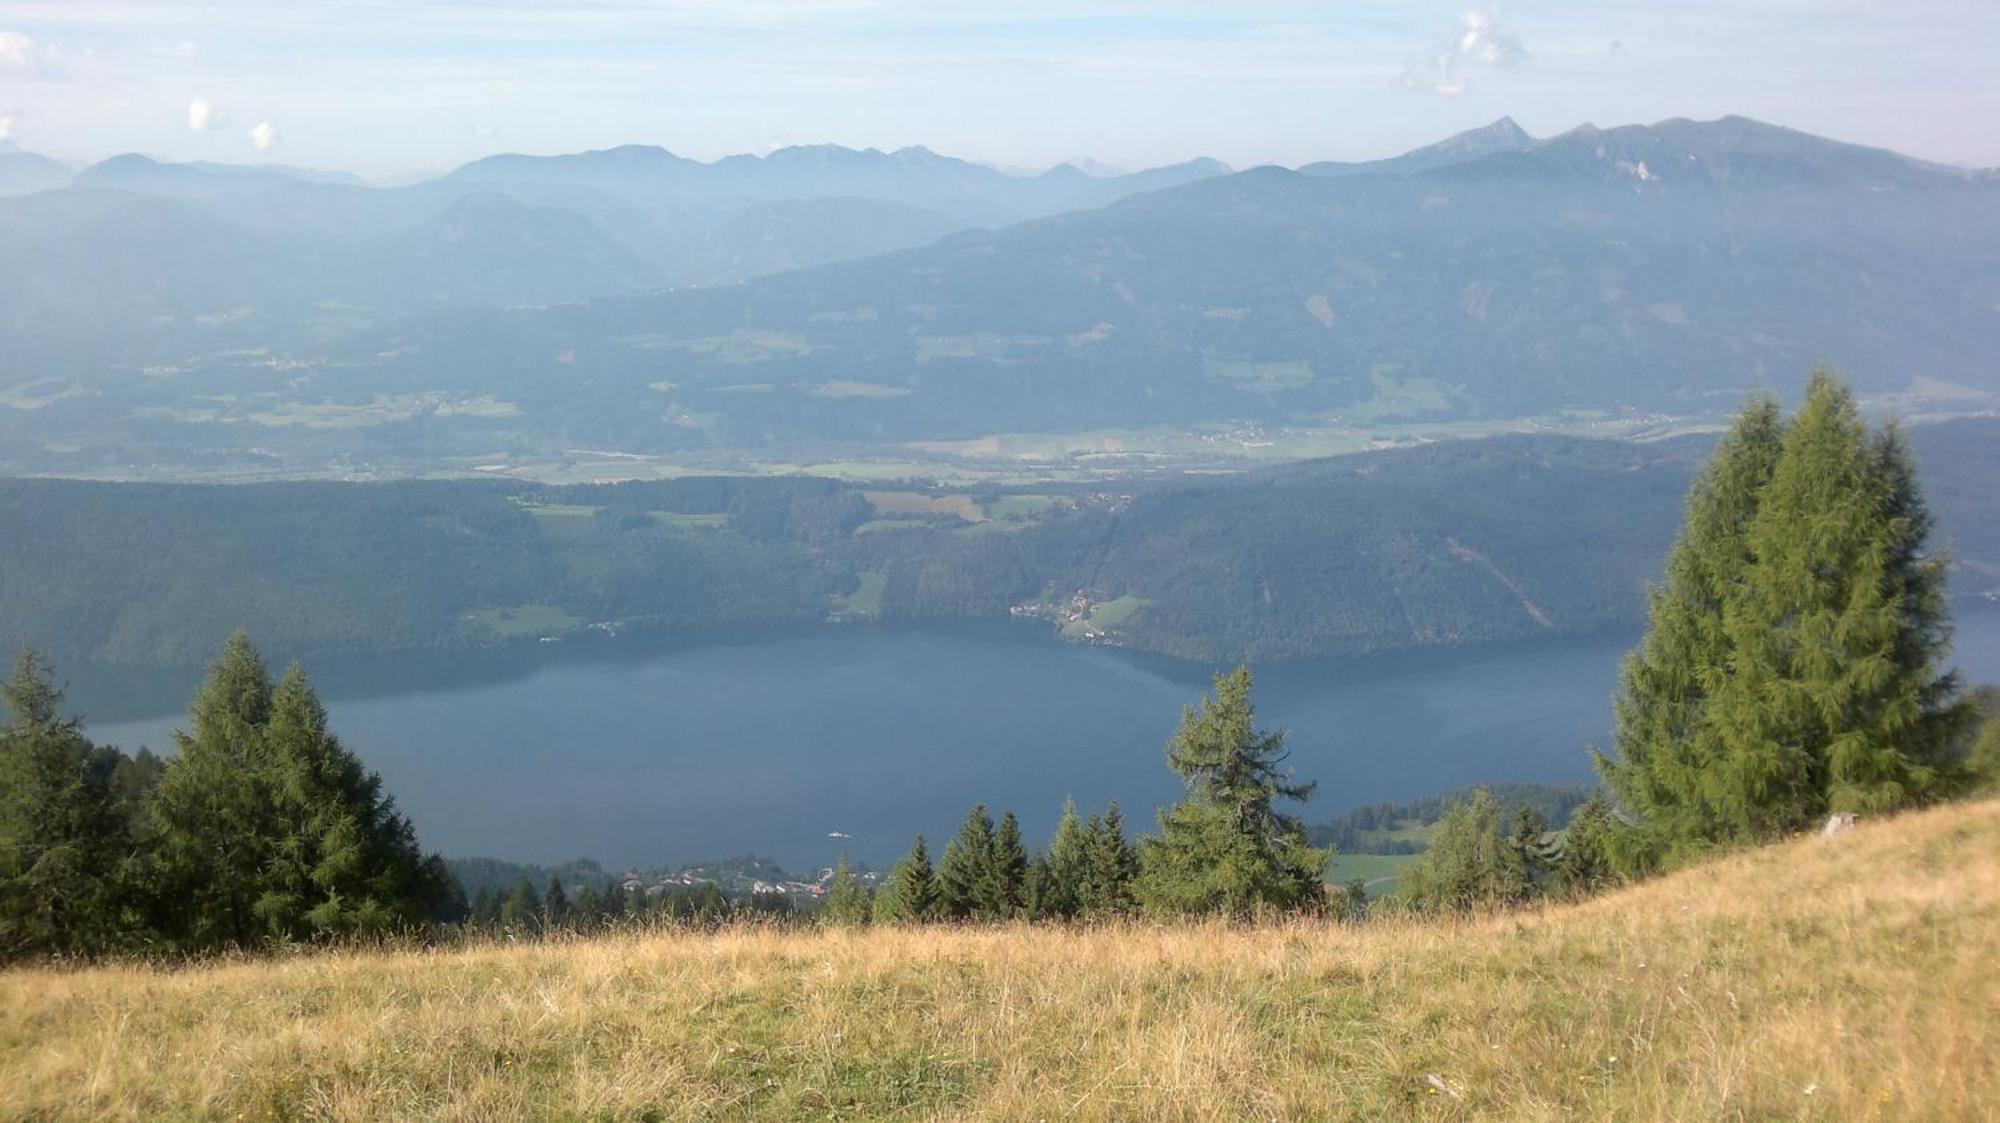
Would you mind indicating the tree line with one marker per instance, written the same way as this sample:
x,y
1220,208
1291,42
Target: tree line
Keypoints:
x,y
262,828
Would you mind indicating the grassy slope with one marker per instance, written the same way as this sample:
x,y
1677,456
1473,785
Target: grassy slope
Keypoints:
x,y
1851,979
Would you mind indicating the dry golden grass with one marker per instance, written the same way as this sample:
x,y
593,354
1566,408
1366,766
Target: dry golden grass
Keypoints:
x,y
1856,978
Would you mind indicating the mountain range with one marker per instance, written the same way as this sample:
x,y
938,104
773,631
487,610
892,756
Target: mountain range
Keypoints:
x,y
637,301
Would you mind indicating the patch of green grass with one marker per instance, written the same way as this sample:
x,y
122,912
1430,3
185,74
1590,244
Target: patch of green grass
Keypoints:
x,y
562,510
519,620
877,526
856,390
865,600
1381,872
675,518
1105,617
1264,378
1019,506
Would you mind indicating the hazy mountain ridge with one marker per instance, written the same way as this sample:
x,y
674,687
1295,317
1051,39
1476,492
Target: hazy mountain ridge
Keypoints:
x,y
1639,270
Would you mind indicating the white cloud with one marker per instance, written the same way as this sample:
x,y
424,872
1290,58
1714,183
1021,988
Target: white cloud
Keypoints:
x,y
6,127
264,136
22,57
1480,43
204,116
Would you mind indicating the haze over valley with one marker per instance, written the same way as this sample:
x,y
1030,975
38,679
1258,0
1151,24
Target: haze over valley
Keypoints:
x,y
630,313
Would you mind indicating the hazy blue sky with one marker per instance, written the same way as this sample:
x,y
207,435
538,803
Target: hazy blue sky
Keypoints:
x,y
394,87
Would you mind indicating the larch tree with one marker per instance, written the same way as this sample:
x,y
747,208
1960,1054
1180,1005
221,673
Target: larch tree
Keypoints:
x,y
1227,847
212,807
63,835
1836,697
1664,755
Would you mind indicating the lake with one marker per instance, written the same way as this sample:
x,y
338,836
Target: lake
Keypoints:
x,y
656,754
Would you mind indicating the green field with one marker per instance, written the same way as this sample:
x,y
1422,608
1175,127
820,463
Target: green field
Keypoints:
x,y
516,621
1380,871
865,602
673,518
1105,617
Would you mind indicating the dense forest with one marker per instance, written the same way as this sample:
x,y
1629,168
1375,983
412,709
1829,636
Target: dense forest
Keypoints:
x,y
1452,544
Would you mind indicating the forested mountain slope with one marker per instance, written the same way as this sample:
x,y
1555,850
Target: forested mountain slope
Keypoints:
x,y
1454,544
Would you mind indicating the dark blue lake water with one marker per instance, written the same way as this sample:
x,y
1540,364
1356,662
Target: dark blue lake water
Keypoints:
x,y
638,754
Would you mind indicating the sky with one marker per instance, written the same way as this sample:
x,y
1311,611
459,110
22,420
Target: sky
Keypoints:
x,y
396,89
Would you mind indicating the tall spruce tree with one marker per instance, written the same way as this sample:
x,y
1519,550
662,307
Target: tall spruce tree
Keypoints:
x,y
63,835
1003,888
1661,771
1068,868
1226,847
910,896
965,873
1111,866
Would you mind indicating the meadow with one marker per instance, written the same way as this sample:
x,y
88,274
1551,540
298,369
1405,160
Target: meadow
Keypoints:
x,y
1852,978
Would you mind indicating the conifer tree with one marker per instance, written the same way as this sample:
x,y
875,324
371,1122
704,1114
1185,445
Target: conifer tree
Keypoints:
x,y
964,874
1226,847
1111,866
1836,698
1530,842
346,861
1038,891
1663,754
846,898
63,837
1068,866
1470,862
485,908
555,905
521,908
1794,661
212,808
1006,872
1584,860
910,897
269,828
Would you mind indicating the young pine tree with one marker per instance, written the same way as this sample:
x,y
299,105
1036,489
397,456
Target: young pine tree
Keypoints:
x,y
1226,847
63,836
910,897
846,898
